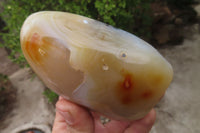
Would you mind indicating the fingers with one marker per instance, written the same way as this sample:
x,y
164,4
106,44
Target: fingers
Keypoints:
x,y
59,124
143,125
72,118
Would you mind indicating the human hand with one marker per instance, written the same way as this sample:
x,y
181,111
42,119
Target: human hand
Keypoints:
x,y
72,118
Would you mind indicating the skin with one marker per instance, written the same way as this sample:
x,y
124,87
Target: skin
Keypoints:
x,y
72,118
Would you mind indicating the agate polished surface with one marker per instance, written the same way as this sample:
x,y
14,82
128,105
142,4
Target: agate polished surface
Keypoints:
x,y
95,65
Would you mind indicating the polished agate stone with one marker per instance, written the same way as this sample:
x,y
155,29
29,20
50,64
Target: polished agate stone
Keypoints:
x,y
105,69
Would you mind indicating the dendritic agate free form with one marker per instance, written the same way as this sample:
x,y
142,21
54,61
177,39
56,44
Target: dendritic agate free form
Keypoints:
x,y
93,64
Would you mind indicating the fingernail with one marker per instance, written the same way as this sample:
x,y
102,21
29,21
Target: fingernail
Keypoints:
x,y
68,117
60,98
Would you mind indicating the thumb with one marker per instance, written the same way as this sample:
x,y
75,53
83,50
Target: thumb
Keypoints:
x,y
77,118
143,125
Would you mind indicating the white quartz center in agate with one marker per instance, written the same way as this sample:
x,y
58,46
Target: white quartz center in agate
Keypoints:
x,y
95,65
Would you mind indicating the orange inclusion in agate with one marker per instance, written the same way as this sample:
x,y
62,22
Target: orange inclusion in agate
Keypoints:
x,y
36,48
